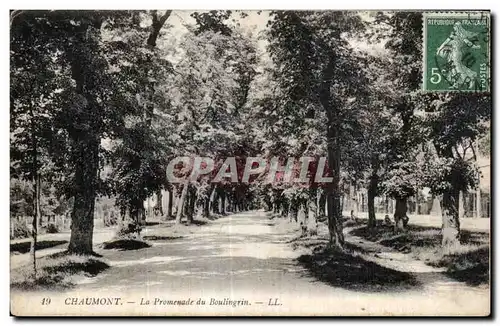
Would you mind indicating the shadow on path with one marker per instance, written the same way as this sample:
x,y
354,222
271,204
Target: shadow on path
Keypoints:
x,y
350,271
469,263
24,247
125,244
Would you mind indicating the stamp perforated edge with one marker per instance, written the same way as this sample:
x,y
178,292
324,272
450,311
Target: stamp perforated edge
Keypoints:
x,y
452,14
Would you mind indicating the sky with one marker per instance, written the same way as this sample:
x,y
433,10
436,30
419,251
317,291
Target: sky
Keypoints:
x,y
255,23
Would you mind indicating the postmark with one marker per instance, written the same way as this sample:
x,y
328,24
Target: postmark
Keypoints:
x,y
456,51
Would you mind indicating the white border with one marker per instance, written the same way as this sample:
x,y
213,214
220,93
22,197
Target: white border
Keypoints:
x,y
200,4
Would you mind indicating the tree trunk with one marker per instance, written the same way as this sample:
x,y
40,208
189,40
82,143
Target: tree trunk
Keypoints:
x,y
206,207
207,200
450,210
223,202
451,221
85,142
157,24
185,209
335,227
82,216
435,207
142,215
478,189
400,214
180,204
461,207
321,203
312,218
159,202
149,210
214,200
192,204
285,207
372,189
353,200
123,213
478,202
170,203
372,219
331,109
304,216
294,211
335,232
418,209
137,214
304,205
36,215
231,203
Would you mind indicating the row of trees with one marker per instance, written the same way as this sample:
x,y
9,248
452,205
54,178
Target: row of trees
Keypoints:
x,y
98,110
365,111
100,105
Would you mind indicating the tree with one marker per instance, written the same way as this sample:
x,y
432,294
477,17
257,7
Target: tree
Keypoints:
x,y
454,122
33,110
317,70
209,96
84,90
402,33
139,155
431,125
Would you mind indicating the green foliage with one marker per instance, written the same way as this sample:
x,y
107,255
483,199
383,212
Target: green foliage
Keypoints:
x,y
58,52
402,179
19,229
300,101
453,123
398,77
447,174
21,198
139,168
128,230
52,228
485,143
212,21
95,104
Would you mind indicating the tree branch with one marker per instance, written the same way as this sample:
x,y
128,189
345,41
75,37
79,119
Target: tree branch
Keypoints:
x,y
156,26
164,18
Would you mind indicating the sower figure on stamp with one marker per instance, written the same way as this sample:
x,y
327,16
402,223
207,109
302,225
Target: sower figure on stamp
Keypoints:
x,y
455,51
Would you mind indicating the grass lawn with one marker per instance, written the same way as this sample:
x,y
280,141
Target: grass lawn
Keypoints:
x,y
56,272
468,262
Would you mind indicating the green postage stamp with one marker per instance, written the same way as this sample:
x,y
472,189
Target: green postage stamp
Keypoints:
x,y
456,51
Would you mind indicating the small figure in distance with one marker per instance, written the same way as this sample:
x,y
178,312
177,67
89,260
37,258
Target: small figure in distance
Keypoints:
x,y
303,229
405,221
387,220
